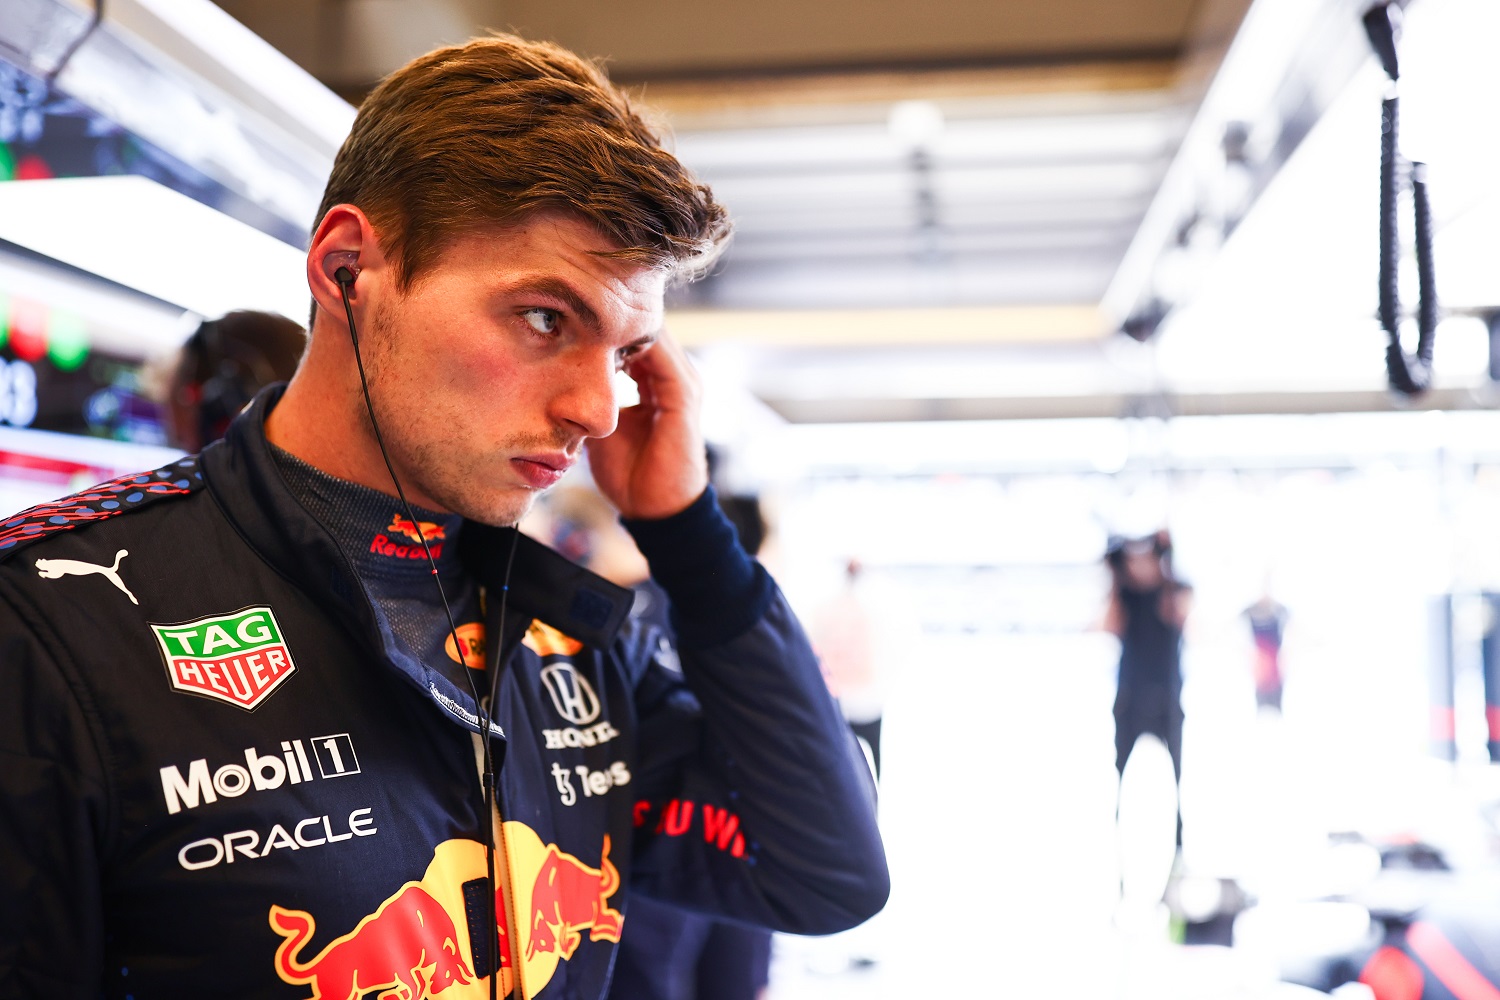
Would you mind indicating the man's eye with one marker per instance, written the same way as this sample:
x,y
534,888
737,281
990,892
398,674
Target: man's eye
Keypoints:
x,y
625,354
541,320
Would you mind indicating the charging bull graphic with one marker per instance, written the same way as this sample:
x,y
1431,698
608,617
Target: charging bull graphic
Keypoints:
x,y
416,945
418,530
568,897
408,949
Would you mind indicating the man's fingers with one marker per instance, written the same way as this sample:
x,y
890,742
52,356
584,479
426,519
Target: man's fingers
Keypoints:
x,y
665,374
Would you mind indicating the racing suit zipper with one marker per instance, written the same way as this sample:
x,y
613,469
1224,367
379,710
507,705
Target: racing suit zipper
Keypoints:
x,y
499,842
502,874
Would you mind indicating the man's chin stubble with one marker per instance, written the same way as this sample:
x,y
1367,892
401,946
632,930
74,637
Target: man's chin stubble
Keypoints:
x,y
500,512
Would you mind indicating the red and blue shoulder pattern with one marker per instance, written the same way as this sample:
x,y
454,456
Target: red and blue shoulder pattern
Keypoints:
x,y
99,503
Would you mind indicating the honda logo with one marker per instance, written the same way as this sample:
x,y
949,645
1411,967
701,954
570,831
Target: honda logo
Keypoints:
x,y
574,697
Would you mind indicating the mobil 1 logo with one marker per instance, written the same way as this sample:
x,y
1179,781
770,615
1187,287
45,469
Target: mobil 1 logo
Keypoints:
x,y
240,658
263,769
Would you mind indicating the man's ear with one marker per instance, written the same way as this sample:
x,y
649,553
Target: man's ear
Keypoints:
x,y
343,248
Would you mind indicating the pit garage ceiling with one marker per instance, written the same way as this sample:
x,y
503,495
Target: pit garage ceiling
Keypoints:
x,y
912,187
1033,135
940,215
349,43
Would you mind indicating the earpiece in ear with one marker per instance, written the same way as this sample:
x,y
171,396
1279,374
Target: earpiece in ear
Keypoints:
x,y
342,266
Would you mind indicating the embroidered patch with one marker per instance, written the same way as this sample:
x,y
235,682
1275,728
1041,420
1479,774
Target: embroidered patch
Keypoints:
x,y
405,538
472,637
238,658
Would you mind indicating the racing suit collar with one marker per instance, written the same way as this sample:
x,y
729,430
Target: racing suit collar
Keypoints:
x,y
243,478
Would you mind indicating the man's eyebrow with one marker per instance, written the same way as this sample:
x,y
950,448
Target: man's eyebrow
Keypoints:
x,y
564,293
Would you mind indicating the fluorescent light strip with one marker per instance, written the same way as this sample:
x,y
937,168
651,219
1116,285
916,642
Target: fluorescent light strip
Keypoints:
x,y
140,234
238,52
812,328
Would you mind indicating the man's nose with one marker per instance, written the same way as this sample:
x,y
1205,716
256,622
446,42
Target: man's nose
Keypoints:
x,y
586,398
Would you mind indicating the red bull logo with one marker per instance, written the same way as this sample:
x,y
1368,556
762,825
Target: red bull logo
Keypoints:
x,y
417,531
414,532
544,640
567,898
416,944
408,948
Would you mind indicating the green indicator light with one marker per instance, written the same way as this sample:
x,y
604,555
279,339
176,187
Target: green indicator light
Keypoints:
x,y
7,163
4,313
67,340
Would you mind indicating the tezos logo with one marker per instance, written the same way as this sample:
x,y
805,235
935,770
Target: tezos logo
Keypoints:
x,y
238,658
572,695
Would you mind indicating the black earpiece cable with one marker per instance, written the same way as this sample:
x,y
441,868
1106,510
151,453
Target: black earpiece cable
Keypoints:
x,y
345,278
489,783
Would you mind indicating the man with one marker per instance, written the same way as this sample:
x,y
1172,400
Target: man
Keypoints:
x,y
241,734
221,367
1147,610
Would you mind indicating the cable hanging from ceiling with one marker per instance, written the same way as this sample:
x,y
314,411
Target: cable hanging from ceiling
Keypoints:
x,y
1409,374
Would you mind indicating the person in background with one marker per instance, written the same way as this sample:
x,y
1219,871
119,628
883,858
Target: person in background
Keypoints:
x,y
220,369
1148,606
1267,618
842,633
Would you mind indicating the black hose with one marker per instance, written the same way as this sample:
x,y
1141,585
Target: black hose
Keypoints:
x,y
73,46
1427,305
1410,375
1390,237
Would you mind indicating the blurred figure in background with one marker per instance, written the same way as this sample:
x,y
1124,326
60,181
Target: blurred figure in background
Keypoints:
x,y
1267,618
221,367
665,953
842,633
1148,606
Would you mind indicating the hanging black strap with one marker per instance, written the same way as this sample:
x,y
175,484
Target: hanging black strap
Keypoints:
x,y
1410,374
67,55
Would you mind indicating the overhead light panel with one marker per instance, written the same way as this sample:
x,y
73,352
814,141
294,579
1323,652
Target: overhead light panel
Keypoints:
x,y
140,234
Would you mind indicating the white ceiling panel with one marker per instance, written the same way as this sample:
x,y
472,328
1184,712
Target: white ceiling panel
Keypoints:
x,y
1025,277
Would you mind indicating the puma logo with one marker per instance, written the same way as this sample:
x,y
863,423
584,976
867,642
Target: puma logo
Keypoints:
x,y
54,569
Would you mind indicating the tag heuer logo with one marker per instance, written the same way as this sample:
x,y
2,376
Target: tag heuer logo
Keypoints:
x,y
239,658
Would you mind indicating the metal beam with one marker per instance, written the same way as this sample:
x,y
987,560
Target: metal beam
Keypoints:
x,y
876,410
1286,64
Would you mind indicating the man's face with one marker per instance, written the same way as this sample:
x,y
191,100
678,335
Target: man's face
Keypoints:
x,y
491,371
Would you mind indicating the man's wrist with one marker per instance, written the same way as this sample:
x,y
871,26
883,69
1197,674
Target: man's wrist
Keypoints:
x,y
717,591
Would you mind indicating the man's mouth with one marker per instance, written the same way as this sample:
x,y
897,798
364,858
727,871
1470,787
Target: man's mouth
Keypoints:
x,y
542,470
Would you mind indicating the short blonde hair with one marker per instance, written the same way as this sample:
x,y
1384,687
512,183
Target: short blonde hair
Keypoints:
x,y
498,129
